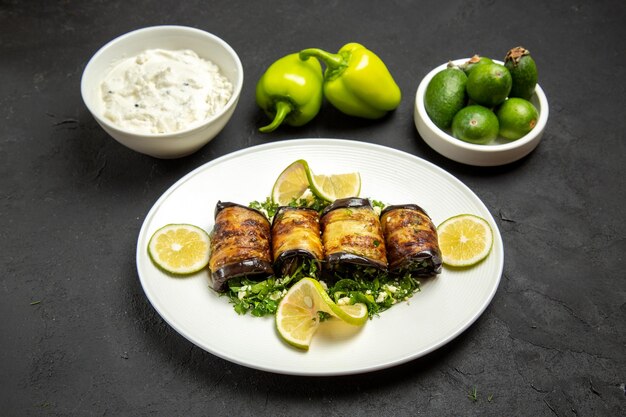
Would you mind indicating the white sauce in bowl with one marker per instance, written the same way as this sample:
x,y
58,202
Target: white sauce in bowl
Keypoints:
x,y
161,91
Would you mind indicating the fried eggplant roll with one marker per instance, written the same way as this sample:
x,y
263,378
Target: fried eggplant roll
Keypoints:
x,y
295,239
240,244
411,240
352,236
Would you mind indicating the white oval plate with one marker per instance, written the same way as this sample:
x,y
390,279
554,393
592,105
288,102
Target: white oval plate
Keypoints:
x,y
445,306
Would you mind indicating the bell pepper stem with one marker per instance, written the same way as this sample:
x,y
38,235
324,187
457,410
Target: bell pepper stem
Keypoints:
x,y
283,108
332,61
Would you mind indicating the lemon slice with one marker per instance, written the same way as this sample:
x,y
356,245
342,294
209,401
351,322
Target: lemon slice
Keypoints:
x,y
332,187
297,316
292,183
464,240
180,248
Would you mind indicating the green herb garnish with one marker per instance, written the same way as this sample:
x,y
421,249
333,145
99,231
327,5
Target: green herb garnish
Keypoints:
x,y
269,208
377,290
266,207
379,204
261,298
313,202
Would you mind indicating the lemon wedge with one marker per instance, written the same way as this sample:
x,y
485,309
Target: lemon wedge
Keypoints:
x,y
332,187
180,248
464,240
297,316
298,181
292,183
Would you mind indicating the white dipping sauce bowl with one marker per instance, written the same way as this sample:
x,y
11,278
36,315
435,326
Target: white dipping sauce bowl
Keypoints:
x,y
167,145
499,152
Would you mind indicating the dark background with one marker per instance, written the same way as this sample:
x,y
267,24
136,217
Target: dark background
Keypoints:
x,y
78,335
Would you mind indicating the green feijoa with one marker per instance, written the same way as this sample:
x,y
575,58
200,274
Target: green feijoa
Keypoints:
x,y
516,117
473,62
475,124
445,96
489,84
523,72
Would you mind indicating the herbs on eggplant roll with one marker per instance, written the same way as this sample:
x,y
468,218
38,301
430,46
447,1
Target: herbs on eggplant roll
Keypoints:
x,y
240,244
411,240
295,239
352,238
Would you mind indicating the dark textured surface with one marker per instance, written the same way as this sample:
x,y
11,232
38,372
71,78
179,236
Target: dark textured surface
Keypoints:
x,y
79,337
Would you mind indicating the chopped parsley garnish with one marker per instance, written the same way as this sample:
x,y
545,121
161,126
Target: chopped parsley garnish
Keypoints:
x,y
266,207
261,298
269,208
378,293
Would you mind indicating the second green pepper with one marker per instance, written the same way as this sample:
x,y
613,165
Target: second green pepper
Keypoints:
x,y
356,81
290,91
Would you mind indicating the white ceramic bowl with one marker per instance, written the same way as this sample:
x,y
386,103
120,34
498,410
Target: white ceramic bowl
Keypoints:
x,y
499,152
206,45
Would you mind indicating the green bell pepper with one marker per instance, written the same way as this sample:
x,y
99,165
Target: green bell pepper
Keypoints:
x,y
290,91
356,81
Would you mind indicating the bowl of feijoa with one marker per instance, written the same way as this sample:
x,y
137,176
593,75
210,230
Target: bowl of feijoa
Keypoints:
x,y
481,111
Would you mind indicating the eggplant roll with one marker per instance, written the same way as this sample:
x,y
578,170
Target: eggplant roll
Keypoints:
x,y
411,240
352,236
295,239
240,244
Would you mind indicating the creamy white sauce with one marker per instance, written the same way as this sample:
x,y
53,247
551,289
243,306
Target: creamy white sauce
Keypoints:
x,y
161,91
